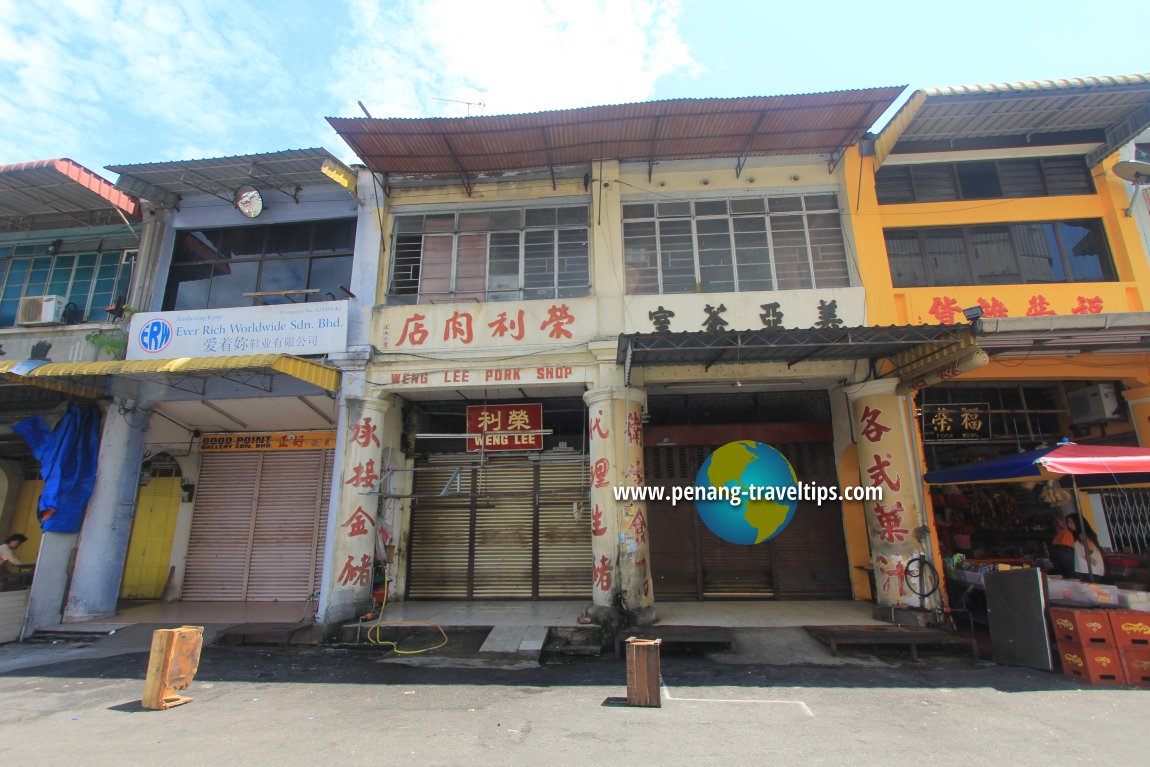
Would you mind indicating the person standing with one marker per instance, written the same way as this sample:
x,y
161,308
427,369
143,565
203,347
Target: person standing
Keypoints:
x,y
1062,548
7,557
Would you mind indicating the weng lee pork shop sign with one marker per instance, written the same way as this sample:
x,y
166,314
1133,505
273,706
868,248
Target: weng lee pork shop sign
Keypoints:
x,y
505,427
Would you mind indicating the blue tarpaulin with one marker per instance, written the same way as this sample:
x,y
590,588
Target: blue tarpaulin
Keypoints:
x,y
67,456
1091,465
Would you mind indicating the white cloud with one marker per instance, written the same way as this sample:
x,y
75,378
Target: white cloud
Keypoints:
x,y
513,55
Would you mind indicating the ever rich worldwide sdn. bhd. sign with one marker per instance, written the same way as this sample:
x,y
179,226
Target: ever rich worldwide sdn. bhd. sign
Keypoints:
x,y
747,503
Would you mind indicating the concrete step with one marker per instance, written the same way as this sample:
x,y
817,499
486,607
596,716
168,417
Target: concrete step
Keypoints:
x,y
520,641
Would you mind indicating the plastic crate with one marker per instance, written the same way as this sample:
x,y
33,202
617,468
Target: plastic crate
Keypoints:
x,y
1131,629
1137,666
1085,627
1099,665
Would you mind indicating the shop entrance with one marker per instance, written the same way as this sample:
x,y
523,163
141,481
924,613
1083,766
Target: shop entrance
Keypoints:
x,y
808,560
148,562
259,526
501,529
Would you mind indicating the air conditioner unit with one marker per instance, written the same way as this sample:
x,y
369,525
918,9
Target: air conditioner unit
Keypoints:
x,y
40,310
1095,403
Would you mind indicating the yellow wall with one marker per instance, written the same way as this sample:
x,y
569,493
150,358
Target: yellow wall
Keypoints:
x,y
24,520
888,305
150,549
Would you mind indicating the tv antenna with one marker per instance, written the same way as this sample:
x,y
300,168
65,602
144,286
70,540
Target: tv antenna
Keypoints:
x,y
1137,173
457,101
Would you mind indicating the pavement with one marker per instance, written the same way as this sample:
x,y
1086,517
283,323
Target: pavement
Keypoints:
x,y
324,705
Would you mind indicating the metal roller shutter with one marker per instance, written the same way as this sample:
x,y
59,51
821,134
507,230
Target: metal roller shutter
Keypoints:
x,y
688,561
510,532
284,536
440,540
258,528
217,564
564,560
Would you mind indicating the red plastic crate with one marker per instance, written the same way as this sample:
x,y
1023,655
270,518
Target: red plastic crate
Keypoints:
x,y
1131,629
1137,666
1096,664
1085,627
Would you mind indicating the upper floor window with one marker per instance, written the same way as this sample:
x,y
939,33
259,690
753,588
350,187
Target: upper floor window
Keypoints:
x,y
89,281
490,255
984,179
1000,254
251,265
736,244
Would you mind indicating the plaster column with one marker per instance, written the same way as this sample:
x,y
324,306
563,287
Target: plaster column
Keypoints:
x,y
107,525
619,540
884,427
368,434
50,584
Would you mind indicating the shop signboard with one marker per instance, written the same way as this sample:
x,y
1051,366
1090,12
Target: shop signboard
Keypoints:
x,y
955,422
299,329
505,427
250,442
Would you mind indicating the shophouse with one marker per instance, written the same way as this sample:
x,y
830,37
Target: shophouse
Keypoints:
x,y
580,300
1004,200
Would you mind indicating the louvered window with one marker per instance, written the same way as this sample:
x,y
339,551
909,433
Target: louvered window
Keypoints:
x,y
984,179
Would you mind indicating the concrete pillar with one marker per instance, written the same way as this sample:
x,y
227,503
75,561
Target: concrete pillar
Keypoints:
x,y
619,540
108,521
884,428
368,436
50,584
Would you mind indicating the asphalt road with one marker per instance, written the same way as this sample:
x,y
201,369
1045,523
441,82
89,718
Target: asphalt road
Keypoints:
x,y
319,706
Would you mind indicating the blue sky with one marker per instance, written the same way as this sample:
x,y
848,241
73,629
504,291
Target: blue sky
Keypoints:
x,y
123,81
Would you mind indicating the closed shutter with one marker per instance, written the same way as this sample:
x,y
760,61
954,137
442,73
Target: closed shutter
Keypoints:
x,y
510,531
258,526
217,562
564,536
810,554
688,561
503,542
286,524
440,534
673,530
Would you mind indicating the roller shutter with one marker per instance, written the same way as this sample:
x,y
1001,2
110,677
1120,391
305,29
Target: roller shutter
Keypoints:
x,y
688,561
258,526
512,530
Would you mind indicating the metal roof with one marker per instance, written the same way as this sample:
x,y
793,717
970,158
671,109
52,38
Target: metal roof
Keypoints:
x,y
812,123
61,193
790,345
1108,111
165,182
1124,332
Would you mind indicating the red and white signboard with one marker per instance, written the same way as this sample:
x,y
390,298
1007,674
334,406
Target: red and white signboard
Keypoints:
x,y
505,427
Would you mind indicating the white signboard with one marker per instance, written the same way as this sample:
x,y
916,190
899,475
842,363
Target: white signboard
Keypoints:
x,y
715,312
455,378
301,329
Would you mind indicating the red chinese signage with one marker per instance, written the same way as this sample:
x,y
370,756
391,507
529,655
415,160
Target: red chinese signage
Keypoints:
x,y
505,427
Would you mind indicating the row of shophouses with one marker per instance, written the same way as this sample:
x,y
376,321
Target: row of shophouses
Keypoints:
x,y
431,369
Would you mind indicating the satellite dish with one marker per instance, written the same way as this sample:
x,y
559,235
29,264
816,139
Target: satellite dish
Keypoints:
x,y
1137,173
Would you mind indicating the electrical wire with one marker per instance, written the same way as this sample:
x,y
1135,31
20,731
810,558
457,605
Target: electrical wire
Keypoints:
x,y
374,638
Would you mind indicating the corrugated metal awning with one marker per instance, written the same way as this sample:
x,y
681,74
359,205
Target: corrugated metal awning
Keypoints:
x,y
789,345
815,123
178,372
287,171
1106,111
61,190
1118,333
